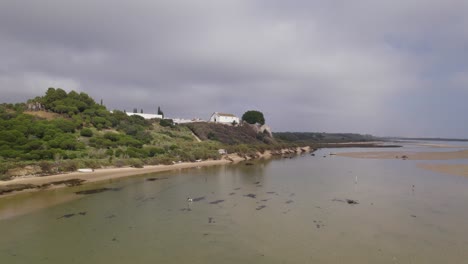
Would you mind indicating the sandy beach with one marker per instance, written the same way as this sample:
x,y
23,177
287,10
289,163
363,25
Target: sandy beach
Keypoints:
x,y
109,173
116,173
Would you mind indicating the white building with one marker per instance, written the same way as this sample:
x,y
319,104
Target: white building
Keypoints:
x,y
224,118
146,116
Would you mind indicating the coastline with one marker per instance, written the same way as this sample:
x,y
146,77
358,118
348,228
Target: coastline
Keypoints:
x,y
38,183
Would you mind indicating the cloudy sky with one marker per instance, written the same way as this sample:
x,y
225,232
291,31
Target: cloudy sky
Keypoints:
x,y
396,67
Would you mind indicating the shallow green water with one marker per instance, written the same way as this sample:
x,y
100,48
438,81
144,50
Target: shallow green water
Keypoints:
x,y
303,220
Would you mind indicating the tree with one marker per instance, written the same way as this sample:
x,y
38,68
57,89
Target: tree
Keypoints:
x,y
135,110
160,112
141,110
254,117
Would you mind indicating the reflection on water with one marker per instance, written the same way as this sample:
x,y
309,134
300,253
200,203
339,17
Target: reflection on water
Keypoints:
x,y
276,211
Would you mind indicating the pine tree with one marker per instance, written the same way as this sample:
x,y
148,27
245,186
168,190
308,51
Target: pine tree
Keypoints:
x,y
160,112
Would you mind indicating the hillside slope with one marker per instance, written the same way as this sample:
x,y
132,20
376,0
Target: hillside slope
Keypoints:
x,y
230,135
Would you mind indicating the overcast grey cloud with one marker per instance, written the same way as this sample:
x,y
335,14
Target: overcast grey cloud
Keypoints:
x,y
383,67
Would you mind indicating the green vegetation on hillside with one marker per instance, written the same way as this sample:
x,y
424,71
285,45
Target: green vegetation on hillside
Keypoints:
x,y
65,131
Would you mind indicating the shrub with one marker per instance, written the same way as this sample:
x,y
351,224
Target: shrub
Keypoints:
x,y
46,166
86,132
166,122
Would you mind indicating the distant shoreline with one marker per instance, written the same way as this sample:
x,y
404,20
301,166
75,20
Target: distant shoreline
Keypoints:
x,y
461,154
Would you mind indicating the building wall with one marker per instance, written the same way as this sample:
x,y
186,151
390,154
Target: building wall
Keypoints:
x,y
223,119
146,116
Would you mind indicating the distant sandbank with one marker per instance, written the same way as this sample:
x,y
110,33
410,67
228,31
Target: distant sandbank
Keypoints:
x,y
461,154
453,169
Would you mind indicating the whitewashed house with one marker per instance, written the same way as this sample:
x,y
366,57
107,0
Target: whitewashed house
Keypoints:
x,y
224,118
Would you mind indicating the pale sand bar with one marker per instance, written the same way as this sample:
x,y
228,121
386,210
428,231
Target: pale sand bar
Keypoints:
x,y
462,154
453,169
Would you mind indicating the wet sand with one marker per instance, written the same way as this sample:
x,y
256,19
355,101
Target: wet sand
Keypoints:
x,y
462,154
453,169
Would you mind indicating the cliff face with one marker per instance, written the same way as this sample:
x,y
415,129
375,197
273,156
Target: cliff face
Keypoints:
x,y
227,134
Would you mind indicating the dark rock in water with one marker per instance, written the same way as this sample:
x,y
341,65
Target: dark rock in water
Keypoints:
x,y
232,193
251,195
256,182
99,190
312,154
350,201
264,200
289,201
260,207
82,213
16,187
317,225
217,202
66,216
205,234
211,220
413,216
68,183
198,199
249,164
156,179
114,239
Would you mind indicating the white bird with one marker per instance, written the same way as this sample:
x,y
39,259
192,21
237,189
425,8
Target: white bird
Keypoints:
x,y
189,199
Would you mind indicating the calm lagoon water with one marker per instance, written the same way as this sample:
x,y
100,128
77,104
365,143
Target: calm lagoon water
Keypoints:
x,y
276,211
